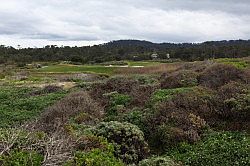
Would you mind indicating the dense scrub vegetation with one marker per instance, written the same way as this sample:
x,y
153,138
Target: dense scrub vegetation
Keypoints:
x,y
193,114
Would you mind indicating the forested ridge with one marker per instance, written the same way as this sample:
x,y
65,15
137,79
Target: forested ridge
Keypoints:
x,y
127,50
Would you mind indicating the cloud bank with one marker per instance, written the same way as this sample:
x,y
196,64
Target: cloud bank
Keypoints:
x,y
75,22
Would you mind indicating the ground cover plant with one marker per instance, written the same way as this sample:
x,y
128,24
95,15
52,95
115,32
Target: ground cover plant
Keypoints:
x,y
19,104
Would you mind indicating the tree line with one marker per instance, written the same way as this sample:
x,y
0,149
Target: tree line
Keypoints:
x,y
127,50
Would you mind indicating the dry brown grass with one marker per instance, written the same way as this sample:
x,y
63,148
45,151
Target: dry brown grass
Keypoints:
x,y
157,69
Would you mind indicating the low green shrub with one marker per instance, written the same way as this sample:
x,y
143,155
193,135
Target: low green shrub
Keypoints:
x,y
17,105
127,138
95,157
216,149
146,79
21,158
117,103
135,117
118,99
165,94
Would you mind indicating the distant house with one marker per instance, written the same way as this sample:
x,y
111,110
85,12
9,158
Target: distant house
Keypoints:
x,y
168,56
154,56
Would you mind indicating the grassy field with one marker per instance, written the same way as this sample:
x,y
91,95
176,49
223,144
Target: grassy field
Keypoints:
x,y
142,63
65,68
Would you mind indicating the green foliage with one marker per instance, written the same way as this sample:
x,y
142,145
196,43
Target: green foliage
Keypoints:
x,y
239,63
117,102
17,106
119,99
217,149
127,138
21,158
158,161
2,75
134,117
95,157
95,151
167,94
145,79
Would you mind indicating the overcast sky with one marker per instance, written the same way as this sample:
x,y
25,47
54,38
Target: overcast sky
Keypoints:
x,y
37,23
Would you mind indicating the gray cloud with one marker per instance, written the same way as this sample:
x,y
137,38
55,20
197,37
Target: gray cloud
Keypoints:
x,y
94,21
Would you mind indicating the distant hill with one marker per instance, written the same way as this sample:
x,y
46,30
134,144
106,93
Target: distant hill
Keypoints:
x,y
144,43
128,50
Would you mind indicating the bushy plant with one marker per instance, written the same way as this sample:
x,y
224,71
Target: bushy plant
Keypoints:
x,y
22,158
135,117
118,99
95,157
117,103
165,94
127,138
219,75
46,90
17,105
146,79
181,118
75,104
217,149
121,84
178,79
141,95
158,161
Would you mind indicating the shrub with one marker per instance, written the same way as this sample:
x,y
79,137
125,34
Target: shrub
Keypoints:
x,y
199,101
165,94
2,76
116,105
46,90
128,140
178,79
232,89
234,101
237,108
118,99
70,106
95,157
19,139
141,95
217,149
87,142
135,117
18,106
158,161
146,80
182,118
121,84
219,75
21,158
